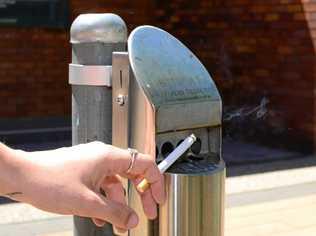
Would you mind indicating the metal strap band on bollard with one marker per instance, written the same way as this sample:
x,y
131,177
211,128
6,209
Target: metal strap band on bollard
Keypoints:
x,y
90,75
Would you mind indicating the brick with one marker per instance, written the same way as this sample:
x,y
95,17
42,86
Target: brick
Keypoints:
x,y
286,1
295,8
312,24
285,50
291,75
310,7
310,15
272,17
262,73
174,19
299,16
216,25
259,8
245,49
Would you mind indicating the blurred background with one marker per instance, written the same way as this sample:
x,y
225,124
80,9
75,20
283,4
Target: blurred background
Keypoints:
x,y
261,54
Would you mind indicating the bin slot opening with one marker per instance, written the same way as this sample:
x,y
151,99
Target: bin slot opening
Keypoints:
x,y
195,164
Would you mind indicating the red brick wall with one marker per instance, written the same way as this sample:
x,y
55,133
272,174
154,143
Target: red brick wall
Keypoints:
x,y
33,72
252,49
133,12
34,62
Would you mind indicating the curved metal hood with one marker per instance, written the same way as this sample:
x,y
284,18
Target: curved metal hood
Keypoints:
x,y
173,80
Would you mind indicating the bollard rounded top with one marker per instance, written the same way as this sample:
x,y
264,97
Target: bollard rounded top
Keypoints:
x,y
105,28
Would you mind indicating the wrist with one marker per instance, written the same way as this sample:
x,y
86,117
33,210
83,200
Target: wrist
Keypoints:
x,y
12,171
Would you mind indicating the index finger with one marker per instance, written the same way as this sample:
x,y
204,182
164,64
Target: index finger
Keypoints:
x,y
119,160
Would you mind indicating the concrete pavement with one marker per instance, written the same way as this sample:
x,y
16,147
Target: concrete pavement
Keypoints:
x,y
274,203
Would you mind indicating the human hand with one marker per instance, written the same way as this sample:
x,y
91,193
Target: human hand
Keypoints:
x,y
69,181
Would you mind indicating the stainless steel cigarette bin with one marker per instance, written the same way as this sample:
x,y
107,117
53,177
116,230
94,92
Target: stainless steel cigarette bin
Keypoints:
x,y
161,94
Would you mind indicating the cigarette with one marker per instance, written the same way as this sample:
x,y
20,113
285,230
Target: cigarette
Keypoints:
x,y
169,160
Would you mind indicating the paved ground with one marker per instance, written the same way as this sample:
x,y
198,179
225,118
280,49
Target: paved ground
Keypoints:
x,y
283,217
279,203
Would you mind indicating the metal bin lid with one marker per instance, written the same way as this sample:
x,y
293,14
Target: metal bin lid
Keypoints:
x,y
174,80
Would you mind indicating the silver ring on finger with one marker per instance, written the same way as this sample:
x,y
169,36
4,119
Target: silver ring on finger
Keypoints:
x,y
133,153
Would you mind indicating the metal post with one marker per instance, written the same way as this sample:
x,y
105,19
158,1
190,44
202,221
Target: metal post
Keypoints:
x,y
94,37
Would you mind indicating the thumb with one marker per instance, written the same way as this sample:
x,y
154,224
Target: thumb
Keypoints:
x,y
118,214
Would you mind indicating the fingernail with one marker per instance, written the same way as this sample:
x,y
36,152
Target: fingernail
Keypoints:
x,y
132,221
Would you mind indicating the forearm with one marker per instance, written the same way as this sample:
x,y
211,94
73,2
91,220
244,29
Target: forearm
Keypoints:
x,y
11,171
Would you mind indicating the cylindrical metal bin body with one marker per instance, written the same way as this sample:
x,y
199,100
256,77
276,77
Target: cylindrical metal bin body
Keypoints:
x,y
194,205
